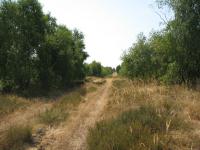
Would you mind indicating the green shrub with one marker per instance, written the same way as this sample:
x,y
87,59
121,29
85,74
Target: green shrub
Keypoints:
x,y
16,138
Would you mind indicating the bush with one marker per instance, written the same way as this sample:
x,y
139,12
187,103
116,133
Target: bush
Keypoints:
x,y
16,137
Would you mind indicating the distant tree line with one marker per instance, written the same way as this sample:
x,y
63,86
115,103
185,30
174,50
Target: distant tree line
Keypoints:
x,y
171,55
96,69
34,49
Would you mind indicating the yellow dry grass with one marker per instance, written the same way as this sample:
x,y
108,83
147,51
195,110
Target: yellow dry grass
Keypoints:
x,y
184,103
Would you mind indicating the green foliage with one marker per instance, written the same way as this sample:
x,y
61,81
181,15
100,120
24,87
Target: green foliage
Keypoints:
x,y
187,29
135,129
16,137
118,68
23,30
106,71
35,50
138,61
96,69
171,55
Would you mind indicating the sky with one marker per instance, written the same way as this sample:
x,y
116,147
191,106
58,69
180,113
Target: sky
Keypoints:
x,y
109,26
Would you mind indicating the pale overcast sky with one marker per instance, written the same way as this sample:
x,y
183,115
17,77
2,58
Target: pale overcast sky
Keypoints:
x,y
109,26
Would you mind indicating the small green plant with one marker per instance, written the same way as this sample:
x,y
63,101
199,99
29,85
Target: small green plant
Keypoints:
x,y
16,138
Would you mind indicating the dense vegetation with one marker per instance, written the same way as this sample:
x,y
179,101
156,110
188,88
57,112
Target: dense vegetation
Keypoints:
x,y
171,55
35,50
96,69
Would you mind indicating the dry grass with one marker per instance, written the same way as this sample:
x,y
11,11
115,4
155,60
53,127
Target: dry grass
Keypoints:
x,y
180,105
16,138
60,109
10,103
91,89
37,112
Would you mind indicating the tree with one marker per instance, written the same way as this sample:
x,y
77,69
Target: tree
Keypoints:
x,y
23,30
118,68
79,54
186,32
137,62
106,71
172,54
35,50
96,68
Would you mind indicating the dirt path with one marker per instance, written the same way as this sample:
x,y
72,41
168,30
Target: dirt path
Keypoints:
x,y
72,135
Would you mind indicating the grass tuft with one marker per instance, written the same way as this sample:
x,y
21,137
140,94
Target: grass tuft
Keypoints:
x,y
16,138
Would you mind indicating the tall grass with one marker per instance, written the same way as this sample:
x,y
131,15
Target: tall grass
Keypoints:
x,y
140,129
16,138
146,115
9,103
